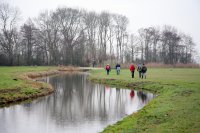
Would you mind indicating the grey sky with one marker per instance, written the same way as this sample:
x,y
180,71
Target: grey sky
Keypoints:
x,y
183,14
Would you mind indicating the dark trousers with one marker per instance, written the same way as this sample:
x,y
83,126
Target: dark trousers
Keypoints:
x,y
108,72
118,72
143,75
140,74
132,73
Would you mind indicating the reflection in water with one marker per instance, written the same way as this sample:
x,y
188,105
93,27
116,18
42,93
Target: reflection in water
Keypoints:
x,y
132,94
76,106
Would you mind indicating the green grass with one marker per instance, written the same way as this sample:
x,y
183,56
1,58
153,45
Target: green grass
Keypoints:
x,y
175,109
13,88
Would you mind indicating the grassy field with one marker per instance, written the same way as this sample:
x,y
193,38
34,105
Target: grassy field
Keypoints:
x,y
175,109
14,87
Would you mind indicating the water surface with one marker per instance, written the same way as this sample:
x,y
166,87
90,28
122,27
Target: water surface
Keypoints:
x,y
76,106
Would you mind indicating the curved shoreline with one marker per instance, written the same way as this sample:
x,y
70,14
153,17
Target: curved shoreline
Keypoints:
x,y
175,108
41,88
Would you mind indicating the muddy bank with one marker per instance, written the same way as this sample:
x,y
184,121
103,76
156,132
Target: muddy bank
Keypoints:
x,y
32,75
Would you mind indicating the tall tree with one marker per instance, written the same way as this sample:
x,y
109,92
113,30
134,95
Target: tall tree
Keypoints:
x,y
171,41
104,22
188,49
71,27
121,23
133,47
146,35
8,21
28,31
155,41
49,30
91,24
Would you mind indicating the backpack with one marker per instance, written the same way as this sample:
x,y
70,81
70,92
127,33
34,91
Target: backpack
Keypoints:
x,y
144,68
139,68
107,67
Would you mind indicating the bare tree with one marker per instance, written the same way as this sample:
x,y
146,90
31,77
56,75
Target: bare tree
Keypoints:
x,y
76,37
134,47
111,37
187,46
28,31
146,35
8,21
71,27
104,22
155,41
49,31
91,23
121,23
171,40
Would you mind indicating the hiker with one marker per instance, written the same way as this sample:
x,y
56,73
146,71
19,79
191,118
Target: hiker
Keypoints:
x,y
118,68
139,69
93,63
108,69
144,71
132,69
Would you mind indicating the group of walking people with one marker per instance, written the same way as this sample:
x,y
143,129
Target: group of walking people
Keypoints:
x,y
141,68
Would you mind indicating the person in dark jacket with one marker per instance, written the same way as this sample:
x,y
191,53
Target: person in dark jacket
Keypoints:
x,y
144,71
132,69
139,69
118,68
93,63
108,69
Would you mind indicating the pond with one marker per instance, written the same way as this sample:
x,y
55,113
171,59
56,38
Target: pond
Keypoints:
x,y
78,105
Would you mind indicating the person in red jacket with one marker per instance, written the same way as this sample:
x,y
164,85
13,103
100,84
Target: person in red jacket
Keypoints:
x,y
132,69
108,69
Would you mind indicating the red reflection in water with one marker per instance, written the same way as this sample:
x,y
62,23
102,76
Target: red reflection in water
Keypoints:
x,y
132,94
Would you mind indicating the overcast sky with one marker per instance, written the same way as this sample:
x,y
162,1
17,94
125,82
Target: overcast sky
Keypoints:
x,y
182,14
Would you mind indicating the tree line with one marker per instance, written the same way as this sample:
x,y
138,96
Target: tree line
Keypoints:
x,y
69,36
